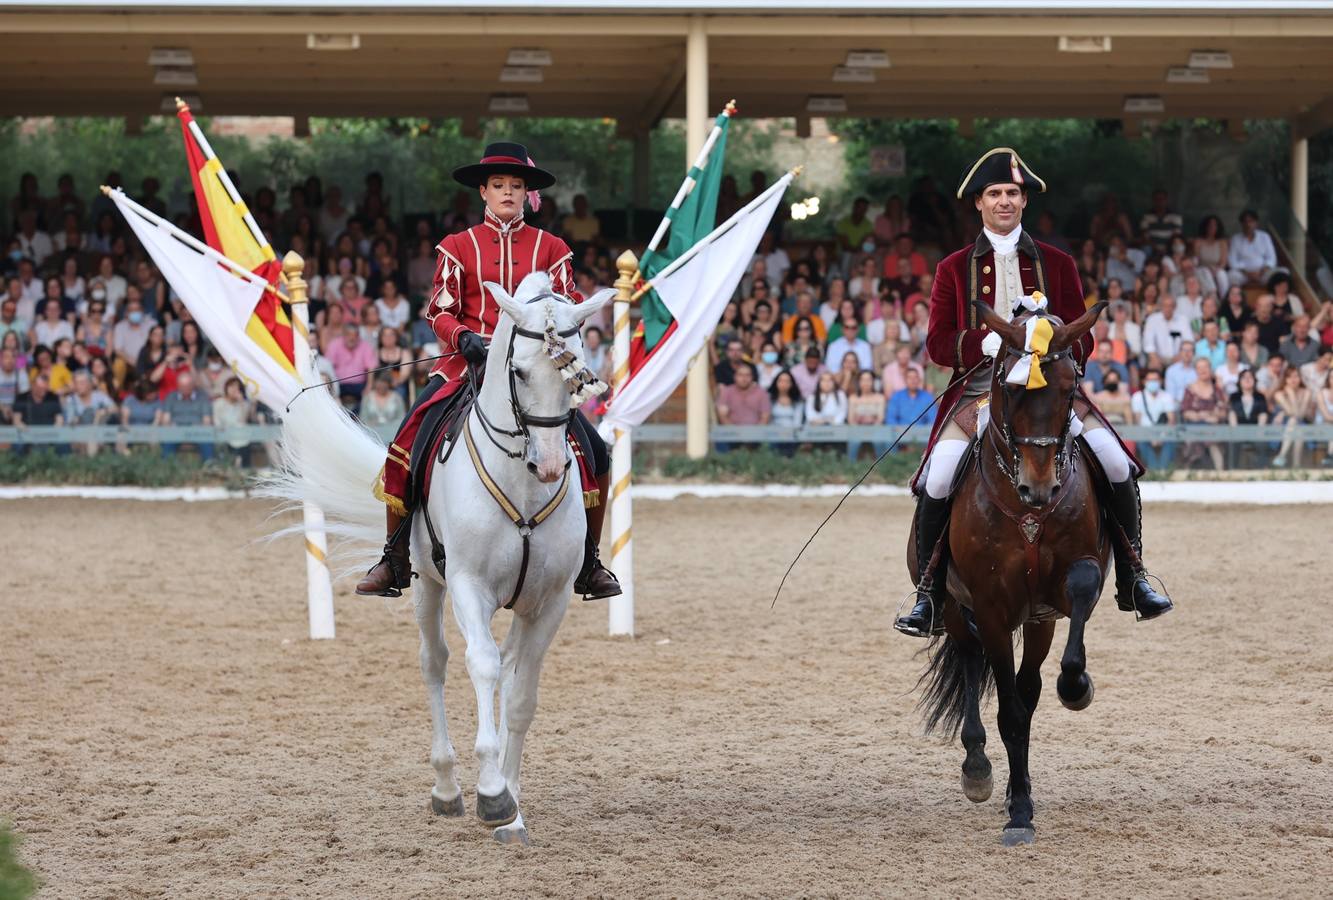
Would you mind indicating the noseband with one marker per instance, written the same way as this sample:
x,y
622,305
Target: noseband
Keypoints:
x,y
1012,442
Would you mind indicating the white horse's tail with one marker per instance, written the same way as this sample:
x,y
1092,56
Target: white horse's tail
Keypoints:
x,y
329,459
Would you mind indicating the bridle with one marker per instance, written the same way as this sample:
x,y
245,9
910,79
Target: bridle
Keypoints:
x,y
1011,442
523,420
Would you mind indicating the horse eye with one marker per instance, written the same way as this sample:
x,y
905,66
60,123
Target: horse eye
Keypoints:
x,y
522,376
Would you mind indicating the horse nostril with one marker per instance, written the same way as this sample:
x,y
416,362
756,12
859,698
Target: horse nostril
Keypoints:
x,y
1056,487
532,468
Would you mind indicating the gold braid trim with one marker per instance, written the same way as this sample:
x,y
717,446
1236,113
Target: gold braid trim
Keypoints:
x,y
394,503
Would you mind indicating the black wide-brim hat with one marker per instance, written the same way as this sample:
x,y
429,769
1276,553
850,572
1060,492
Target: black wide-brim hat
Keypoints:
x,y
999,166
504,158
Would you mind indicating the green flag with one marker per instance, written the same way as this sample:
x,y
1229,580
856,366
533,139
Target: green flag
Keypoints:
x,y
694,219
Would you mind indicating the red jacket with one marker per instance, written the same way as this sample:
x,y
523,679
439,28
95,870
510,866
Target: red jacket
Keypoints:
x,y
488,252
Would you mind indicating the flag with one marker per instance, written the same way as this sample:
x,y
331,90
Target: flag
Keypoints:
x,y
693,290
221,295
690,222
230,229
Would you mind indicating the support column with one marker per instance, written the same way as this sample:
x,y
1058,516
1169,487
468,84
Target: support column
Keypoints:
x,y
1300,200
698,401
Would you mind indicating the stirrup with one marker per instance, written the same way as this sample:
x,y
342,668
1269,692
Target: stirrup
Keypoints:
x,y
1133,606
935,624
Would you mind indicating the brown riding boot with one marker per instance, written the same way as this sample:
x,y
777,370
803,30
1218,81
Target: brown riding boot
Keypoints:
x,y
596,581
393,572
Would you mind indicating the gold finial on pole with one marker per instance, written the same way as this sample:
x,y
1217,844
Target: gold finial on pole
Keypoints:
x,y
181,104
105,190
796,172
731,107
293,267
628,266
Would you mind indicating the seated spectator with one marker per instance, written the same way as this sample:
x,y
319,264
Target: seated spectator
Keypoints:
x,y
1210,248
1236,311
903,284
1252,353
757,275
805,310
1193,283
865,406
1315,374
849,368
776,260
1113,399
1322,324
1324,409
581,225
904,249
382,405
1248,407
1160,224
866,284
84,405
52,326
13,380
1269,378
421,270
1251,253
141,408
187,405
766,325
802,344
393,309
895,375
596,352
1152,408
725,370
787,409
826,404
743,402
1165,332
1181,373
1286,305
352,300
1293,405
38,406
824,270
908,403
918,330
1272,327
1299,348
130,336
1122,261
1047,233
1101,366
58,376
9,317
769,365
213,375
892,222
1125,335
1228,374
1109,222
351,358
370,324
855,232
1204,403
1211,346
111,283
849,340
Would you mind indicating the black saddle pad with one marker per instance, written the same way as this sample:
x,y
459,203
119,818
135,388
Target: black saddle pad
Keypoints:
x,y
440,423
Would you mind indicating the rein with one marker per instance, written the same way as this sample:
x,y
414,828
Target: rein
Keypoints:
x,y
523,420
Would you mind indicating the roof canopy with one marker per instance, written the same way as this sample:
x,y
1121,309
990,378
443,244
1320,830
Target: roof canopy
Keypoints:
x,y
627,60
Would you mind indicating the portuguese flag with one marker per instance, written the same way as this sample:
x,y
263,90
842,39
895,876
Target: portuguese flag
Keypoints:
x,y
231,229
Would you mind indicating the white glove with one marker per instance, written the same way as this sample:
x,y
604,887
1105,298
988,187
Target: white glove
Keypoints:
x,y
991,344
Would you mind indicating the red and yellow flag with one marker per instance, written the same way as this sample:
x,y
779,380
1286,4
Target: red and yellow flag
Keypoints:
x,y
230,229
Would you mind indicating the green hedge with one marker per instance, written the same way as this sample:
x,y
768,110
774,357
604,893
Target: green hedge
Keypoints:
x,y
16,882
141,469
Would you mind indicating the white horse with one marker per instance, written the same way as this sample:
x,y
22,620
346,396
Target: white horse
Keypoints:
x,y
508,482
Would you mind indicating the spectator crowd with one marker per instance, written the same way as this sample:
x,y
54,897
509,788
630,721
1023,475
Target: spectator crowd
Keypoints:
x,y
1203,327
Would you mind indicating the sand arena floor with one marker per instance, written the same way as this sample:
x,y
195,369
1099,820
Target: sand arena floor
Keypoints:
x,y
167,731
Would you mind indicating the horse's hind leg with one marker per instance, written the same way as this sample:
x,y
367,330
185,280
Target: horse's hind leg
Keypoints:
x,y
1082,586
976,766
446,798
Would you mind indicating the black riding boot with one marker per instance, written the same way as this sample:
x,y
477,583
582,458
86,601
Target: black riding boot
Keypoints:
x,y
1133,593
927,616
596,581
393,572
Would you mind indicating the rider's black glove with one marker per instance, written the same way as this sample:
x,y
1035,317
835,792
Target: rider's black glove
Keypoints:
x,y
472,347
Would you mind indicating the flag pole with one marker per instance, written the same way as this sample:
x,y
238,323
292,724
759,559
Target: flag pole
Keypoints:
x,y
620,610
718,232
319,584
690,177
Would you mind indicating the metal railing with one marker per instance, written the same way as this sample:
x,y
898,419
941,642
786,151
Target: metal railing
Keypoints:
x,y
654,434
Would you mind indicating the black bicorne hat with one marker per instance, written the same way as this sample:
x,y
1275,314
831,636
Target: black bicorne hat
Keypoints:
x,y
505,158
999,166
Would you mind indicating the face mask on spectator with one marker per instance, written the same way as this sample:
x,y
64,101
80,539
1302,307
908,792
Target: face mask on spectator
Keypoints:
x,y
215,366
1152,387
770,357
1112,385
868,246
98,294
16,255
135,317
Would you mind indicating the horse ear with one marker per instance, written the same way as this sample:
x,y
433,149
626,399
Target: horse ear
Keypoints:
x,y
1066,334
588,308
1012,334
506,302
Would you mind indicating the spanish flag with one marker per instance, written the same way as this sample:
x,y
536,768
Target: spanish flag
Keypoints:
x,y
230,229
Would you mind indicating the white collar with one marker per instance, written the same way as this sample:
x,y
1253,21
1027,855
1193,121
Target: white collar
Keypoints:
x,y
1003,244
505,228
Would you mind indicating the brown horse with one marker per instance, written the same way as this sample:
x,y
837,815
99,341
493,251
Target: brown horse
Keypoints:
x,y
1026,543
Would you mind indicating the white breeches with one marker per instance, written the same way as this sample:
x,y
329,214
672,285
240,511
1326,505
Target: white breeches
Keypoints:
x,y
953,443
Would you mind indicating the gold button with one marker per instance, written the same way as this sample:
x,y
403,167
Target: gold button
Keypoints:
x,y
985,269
985,289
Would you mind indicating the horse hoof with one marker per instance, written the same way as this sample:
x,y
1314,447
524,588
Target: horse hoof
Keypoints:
x,y
496,811
512,836
1018,837
1080,702
977,790
451,808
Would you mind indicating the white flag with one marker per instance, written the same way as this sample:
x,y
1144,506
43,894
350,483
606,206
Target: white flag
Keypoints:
x,y
696,289
221,296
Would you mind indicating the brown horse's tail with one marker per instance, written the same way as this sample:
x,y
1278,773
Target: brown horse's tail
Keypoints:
x,y
945,682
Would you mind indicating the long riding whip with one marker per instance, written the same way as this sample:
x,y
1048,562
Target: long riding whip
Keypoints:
x,y
410,362
866,474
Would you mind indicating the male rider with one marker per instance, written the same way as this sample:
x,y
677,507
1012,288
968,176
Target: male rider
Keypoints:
x,y
502,249
1004,265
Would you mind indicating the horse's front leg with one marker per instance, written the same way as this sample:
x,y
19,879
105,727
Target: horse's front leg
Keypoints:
x,y
1037,639
446,797
1082,587
521,659
474,609
1013,720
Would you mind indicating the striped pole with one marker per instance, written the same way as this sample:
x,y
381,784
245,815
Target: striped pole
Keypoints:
x,y
319,584
620,611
